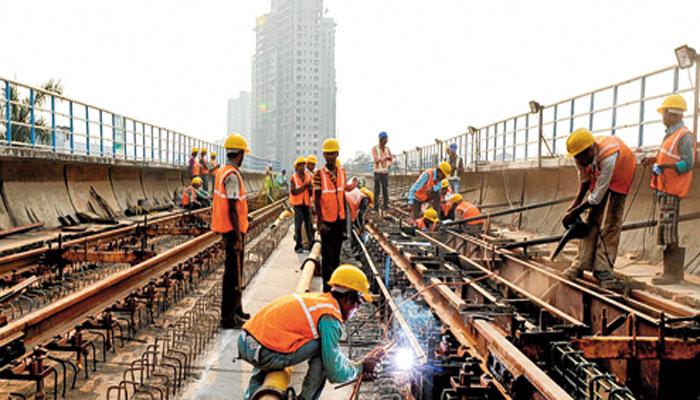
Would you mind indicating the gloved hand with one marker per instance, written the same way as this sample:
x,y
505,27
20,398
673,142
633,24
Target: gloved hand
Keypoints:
x,y
656,169
369,364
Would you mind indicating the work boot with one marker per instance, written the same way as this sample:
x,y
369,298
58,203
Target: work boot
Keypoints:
x,y
674,259
242,315
235,323
572,273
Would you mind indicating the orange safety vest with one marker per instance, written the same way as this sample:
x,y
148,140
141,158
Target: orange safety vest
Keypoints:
x,y
354,198
303,198
332,196
444,204
466,210
220,221
670,181
624,166
422,193
195,167
290,322
188,196
214,168
422,225
203,166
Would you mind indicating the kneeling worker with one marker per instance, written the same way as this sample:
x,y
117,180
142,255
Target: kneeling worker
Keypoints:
x,y
461,209
300,327
427,188
429,222
605,168
194,196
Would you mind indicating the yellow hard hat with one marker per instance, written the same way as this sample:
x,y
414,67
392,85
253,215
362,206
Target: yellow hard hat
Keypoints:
x,y
350,277
444,184
330,146
203,150
299,160
194,150
445,168
236,141
311,159
578,141
196,180
455,198
431,215
369,194
675,101
212,154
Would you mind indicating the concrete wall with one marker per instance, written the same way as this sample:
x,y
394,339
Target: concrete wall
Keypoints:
x,y
41,187
558,179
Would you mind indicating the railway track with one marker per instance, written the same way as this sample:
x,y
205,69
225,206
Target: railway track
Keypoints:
x,y
526,332
120,302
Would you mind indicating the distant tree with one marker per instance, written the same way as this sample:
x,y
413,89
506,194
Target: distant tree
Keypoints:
x,y
20,114
361,163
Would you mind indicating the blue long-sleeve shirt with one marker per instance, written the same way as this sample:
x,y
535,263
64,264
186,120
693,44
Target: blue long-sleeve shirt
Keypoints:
x,y
422,180
337,366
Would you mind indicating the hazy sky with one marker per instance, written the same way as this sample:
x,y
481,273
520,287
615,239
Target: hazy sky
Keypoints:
x,y
417,69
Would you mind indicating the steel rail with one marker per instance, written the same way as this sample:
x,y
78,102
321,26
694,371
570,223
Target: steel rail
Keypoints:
x,y
481,337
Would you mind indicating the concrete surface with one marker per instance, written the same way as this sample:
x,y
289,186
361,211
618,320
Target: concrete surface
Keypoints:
x,y
221,376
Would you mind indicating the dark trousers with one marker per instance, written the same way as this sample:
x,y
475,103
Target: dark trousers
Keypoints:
x,y
381,181
302,216
331,243
232,282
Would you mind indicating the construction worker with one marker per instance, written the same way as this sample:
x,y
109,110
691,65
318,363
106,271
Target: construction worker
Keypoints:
x,y
605,168
382,157
300,327
269,183
311,162
358,199
213,168
329,195
457,166
672,173
429,221
230,218
427,188
445,194
460,209
204,168
281,180
299,198
194,196
194,163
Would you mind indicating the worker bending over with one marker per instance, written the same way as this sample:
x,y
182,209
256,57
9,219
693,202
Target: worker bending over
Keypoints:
x,y
672,173
229,217
299,198
194,196
300,327
329,195
461,209
457,166
428,222
605,168
382,158
445,194
204,168
359,199
427,188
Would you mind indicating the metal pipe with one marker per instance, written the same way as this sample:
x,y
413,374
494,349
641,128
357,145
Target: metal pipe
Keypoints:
x,y
510,211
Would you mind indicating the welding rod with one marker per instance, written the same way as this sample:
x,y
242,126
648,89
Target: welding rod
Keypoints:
x,y
510,211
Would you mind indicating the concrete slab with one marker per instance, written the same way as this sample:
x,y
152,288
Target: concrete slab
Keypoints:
x,y
219,373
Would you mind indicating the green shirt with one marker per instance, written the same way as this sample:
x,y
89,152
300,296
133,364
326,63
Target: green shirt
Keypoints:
x,y
338,367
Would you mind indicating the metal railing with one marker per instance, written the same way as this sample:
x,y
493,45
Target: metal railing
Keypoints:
x,y
31,117
626,109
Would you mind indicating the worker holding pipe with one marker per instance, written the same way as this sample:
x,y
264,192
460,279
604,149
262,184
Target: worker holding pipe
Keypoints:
x,y
382,160
300,199
605,168
428,222
204,167
672,173
193,165
427,188
460,209
229,217
457,166
194,196
300,327
329,195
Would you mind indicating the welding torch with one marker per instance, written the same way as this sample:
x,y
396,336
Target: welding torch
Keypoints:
x,y
378,352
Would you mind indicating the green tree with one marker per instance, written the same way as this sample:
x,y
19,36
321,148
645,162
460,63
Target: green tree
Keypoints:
x,y
20,113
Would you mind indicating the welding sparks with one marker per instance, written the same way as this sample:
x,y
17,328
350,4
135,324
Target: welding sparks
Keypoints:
x,y
404,359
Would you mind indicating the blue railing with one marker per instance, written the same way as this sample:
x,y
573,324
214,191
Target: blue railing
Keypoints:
x,y
626,109
32,117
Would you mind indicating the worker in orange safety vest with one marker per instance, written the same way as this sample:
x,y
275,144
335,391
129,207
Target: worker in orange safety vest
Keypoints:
x,y
300,199
230,219
672,174
194,197
193,165
428,222
460,209
445,194
605,168
427,188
